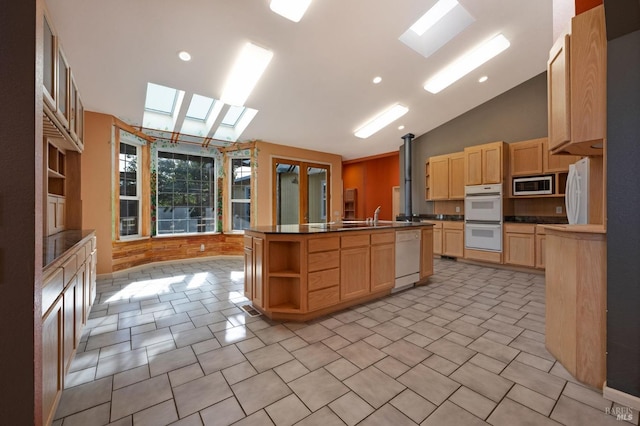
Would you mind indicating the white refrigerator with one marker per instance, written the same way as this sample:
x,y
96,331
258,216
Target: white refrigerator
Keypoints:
x,y
577,192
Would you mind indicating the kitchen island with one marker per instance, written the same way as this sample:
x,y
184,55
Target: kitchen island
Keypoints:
x,y
300,272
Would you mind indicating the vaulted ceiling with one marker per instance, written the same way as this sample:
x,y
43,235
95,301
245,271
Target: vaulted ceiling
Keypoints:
x,y
317,89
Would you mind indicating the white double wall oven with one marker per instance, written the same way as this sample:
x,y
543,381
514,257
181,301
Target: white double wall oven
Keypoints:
x,y
483,217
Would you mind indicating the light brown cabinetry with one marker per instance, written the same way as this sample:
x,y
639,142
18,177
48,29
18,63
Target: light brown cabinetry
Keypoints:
x,y
519,244
283,259
576,288
541,241
437,237
576,73
383,259
446,177
355,270
350,203
253,272
453,239
426,254
68,291
323,279
484,164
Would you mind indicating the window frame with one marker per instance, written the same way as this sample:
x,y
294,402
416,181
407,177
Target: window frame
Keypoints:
x,y
232,200
138,196
156,159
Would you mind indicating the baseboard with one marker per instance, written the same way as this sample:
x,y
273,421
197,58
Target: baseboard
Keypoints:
x,y
620,397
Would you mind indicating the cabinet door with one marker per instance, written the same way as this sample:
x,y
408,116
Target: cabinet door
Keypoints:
x,y
437,240
51,215
258,271
558,163
383,260
492,164
426,255
248,273
354,272
473,166
60,215
52,366
69,333
526,158
453,242
63,108
519,249
456,176
540,250
559,95
439,170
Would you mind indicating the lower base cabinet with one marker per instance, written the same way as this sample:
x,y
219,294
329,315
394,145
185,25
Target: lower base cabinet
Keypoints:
x,y
519,244
68,291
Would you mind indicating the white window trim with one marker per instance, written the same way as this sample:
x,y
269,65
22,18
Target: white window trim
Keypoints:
x,y
138,196
237,200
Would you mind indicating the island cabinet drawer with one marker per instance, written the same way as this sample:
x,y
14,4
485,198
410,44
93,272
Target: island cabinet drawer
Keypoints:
x,y
51,289
247,241
324,244
322,298
323,279
323,260
355,241
70,268
520,228
383,238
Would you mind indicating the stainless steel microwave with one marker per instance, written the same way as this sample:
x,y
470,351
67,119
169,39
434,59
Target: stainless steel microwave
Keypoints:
x,y
536,185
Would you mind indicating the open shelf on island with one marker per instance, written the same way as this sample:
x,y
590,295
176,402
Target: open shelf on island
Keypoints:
x,y
284,293
284,258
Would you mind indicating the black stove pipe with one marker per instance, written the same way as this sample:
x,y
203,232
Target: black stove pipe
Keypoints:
x,y
408,210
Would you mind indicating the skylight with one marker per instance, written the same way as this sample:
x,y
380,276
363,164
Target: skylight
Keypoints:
x,y
293,10
232,116
199,108
160,99
433,15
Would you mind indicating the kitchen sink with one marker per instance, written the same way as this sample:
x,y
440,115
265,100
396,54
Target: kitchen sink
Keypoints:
x,y
352,224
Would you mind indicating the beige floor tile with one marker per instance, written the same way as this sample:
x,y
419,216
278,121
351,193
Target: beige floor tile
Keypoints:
x,y
488,363
336,342
322,417
314,333
406,352
387,415
200,393
171,360
441,365
94,416
108,339
141,395
259,418
259,391
535,361
473,402
391,367
341,369
219,359
315,356
223,413
534,379
413,405
185,374
531,399
352,332
85,396
586,396
502,327
351,408
451,351
293,343
482,381
418,339
378,341
429,384
532,347
189,337
428,329
163,413
318,388
274,334
374,386
493,349
287,411
206,346
361,354
233,335
239,372
449,414
129,377
250,345
268,357
291,370
458,338
509,413
391,330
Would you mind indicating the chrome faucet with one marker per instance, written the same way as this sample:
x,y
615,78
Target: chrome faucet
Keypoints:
x,y
375,215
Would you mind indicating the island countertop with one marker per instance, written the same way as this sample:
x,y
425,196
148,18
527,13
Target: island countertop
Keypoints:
x,y
315,228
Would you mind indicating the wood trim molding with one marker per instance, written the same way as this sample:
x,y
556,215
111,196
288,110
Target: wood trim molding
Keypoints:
x,y
620,397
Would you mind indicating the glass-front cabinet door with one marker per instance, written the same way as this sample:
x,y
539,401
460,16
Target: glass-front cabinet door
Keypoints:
x,y
49,65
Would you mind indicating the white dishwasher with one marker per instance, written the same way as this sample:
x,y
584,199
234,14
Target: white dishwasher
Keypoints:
x,y
407,259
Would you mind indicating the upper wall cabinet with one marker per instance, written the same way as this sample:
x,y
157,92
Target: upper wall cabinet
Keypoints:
x,y
63,110
576,73
532,157
446,177
484,164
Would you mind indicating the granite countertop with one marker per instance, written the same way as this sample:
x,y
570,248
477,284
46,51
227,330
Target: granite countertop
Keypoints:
x,y
536,219
419,217
335,227
56,245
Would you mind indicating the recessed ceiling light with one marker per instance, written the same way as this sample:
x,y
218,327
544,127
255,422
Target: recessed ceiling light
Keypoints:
x,y
483,79
384,119
184,55
433,15
246,72
293,10
466,63
377,80
401,127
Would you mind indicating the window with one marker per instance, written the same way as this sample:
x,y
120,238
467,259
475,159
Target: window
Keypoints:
x,y
240,193
129,161
186,194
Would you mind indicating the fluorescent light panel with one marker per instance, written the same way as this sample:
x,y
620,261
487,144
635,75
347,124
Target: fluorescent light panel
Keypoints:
x,y
293,10
387,117
433,15
246,72
467,63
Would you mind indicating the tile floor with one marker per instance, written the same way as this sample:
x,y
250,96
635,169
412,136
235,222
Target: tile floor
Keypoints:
x,y
168,344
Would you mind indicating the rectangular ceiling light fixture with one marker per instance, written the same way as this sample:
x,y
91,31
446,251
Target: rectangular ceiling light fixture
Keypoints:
x,y
246,72
433,15
293,10
467,63
387,117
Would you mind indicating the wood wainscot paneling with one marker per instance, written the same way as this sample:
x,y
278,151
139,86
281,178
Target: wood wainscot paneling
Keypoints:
x,y
127,254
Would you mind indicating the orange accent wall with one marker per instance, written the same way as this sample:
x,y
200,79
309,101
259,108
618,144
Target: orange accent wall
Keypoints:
x,y
584,5
374,178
